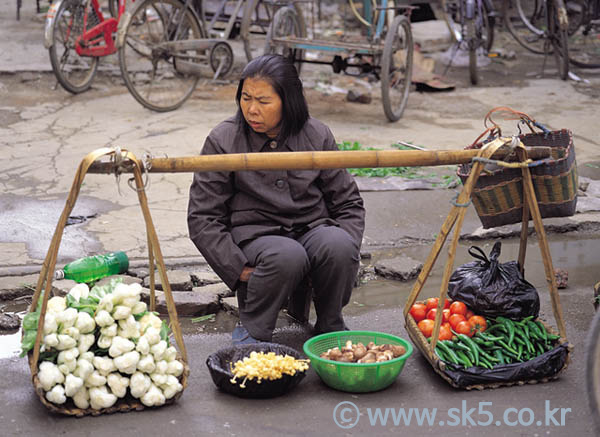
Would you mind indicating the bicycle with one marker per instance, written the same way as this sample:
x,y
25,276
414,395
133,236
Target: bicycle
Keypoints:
x,y
471,24
584,40
541,27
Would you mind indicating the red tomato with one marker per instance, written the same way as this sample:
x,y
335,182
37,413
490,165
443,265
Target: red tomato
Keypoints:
x,y
447,303
426,327
478,323
418,311
469,314
431,314
431,303
455,319
458,308
445,333
446,315
464,327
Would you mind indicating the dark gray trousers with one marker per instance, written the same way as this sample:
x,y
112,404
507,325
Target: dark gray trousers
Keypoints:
x,y
326,254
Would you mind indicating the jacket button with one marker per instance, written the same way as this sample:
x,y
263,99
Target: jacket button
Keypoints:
x,y
280,183
273,144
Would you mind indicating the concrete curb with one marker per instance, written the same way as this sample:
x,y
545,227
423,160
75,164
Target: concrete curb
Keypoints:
x,y
133,264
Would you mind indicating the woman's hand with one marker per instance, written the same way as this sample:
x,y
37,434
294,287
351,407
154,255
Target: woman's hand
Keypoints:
x,y
246,272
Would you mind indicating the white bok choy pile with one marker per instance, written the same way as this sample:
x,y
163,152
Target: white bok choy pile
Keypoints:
x,y
102,344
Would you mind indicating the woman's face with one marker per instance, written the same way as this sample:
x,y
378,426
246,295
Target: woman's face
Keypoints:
x,y
261,106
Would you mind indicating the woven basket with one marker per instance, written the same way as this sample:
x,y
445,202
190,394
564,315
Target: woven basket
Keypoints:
x,y
498,195
123,405
127,403
439,366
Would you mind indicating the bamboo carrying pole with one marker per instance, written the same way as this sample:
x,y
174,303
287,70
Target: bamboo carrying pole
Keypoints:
x,y
314,160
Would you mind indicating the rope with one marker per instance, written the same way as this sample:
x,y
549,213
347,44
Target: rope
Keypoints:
x,y
454,202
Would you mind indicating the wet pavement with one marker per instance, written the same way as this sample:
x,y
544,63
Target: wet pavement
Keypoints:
x,y
45,132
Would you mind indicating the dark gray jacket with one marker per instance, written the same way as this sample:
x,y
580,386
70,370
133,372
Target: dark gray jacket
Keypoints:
x,y
227,209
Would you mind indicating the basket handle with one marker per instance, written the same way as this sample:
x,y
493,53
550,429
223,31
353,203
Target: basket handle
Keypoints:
x,y
493,130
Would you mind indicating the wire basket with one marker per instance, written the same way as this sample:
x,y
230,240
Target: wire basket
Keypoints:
x,y
355,377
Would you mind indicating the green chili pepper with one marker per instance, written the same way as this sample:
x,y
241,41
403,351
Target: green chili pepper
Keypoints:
x,y
483,362
510,328
474,348
507,347
449,352
487,337
540,348
482,342
534,330
543,331
458,345
519,351
499,357
463,357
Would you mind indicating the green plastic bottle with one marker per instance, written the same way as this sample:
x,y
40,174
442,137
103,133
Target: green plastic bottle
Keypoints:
x,y
92,268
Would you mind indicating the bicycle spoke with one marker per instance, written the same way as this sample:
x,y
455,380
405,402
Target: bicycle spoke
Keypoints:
x,y
75,73
149,66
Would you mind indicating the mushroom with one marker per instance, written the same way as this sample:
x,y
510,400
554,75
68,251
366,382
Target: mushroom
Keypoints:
x,y
398,350
360,351
368,358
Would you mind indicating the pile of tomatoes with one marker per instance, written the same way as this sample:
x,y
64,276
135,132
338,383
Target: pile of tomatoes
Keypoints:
x,y
456,318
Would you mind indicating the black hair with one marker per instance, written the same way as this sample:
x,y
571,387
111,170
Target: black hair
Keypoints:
x,y
281,73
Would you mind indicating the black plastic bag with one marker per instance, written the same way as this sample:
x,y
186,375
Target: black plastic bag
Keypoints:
x,y
543,366
492,289
220,371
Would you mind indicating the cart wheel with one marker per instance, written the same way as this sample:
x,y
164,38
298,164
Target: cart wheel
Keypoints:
x,y
221,59
256,19
396,68
285,24
592,369
157,76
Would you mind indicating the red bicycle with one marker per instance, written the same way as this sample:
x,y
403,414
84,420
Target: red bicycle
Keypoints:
x,y
76,35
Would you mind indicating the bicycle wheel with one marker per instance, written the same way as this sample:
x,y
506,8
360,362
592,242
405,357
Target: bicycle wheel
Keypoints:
x,y
473,46
559,37
592,369
285,24
256,20
160,77
584,42
75,73
396,68
525,21
486,25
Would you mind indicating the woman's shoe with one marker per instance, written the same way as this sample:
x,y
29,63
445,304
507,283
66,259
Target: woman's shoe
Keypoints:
x,y
240,335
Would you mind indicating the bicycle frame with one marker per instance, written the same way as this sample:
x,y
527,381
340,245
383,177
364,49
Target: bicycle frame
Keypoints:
x,y
96,41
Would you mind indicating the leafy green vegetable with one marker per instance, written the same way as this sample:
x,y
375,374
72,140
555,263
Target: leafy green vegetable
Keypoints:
x,y
210,317
85,304
407,172
165,331
30,325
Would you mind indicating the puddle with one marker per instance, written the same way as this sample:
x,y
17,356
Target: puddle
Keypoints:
x,y
10,341
579,256
33,221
